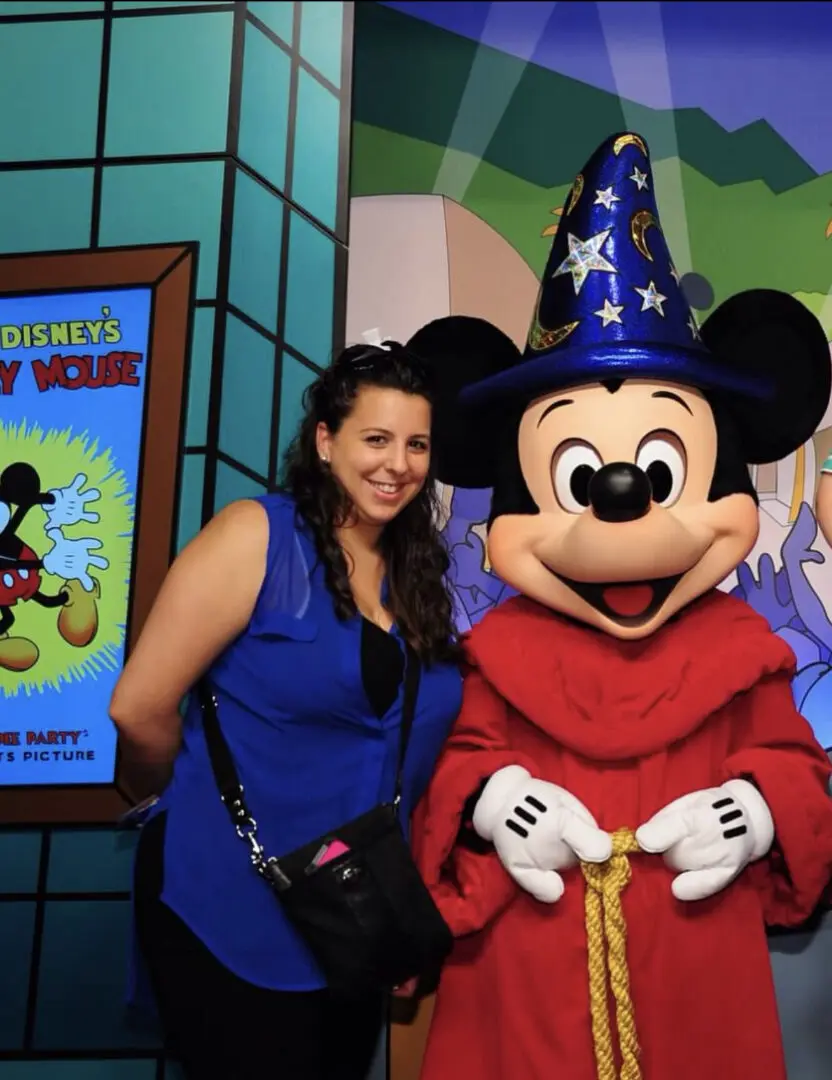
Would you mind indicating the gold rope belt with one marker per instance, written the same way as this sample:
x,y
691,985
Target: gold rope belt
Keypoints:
x,y
605,925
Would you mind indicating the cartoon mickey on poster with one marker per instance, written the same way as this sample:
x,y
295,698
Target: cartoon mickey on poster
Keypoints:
x,y
629,796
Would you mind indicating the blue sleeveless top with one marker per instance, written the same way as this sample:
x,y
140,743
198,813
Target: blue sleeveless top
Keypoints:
x,y
309,750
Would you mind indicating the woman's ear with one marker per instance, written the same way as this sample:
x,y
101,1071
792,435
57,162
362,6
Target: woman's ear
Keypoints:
x,y
769,334
323,439
461,350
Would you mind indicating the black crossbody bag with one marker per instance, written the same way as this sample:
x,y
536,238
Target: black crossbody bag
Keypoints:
x,y
365,913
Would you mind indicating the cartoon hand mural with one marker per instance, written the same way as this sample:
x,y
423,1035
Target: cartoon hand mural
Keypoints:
x,y
768,594
71,559
69,507
794,610
786,598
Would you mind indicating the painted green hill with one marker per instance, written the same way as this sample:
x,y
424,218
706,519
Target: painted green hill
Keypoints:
x,y
411,77
741,236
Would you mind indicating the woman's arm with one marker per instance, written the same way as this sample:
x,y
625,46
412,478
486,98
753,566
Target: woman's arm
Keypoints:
x,y
205,602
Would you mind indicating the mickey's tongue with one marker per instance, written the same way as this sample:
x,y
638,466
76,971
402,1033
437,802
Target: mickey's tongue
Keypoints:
x,y
628,600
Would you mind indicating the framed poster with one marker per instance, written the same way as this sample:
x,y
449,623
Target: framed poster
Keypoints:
x,y
93,349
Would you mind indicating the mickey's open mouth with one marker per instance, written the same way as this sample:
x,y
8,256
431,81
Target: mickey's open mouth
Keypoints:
x,y
628,603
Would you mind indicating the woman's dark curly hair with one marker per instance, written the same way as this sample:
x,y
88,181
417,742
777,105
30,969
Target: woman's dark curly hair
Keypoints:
x,y
414,552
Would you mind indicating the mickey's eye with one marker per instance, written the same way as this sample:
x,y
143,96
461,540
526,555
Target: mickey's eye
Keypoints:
x,y
573,465
5,515
662,456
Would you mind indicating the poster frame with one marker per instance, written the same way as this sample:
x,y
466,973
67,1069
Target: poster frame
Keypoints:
x,y
170,272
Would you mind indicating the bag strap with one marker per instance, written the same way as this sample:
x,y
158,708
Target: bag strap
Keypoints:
x,y
231,790
222,763
412,674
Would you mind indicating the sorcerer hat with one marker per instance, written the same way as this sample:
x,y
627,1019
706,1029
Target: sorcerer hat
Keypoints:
x,y
610,306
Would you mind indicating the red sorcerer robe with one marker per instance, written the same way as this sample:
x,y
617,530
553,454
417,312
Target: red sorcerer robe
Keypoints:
x,y
626,727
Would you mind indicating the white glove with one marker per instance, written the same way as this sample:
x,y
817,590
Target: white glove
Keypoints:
x,y
710,836
69,504
71,559
537,828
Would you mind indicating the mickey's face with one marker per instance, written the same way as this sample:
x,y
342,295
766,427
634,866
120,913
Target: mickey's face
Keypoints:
x,y
625,535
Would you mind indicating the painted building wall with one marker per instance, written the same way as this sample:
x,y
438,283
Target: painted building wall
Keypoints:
x,y
134,123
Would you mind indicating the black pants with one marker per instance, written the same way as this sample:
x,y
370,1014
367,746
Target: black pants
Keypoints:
x,y
217,1025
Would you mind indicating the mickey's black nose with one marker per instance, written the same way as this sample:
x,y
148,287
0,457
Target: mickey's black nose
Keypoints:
x,y
620,492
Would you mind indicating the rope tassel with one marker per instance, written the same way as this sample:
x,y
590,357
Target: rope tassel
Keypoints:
x,y
607,948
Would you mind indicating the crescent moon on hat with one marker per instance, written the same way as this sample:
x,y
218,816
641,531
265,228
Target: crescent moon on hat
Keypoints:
x,y
628,140
540,338
640,222
575,193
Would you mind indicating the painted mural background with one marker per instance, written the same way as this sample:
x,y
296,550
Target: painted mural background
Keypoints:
x,y
470,121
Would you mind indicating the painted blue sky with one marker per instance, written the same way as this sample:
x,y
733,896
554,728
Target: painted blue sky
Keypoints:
x,y
738,61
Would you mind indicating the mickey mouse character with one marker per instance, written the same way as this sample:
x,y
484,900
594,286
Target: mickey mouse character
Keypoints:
x,y
629,796
20,566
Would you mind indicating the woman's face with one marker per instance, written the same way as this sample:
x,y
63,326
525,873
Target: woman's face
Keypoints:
x,y
381,453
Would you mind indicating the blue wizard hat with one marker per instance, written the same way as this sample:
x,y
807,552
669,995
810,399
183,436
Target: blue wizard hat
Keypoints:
x,y
610,304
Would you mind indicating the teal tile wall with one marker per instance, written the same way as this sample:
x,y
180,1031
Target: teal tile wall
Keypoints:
x,y
143,5
247,396
171,200
43,7
267,72
199,377
254,276
19,861
89,936
233,484
191,488
52,208
80,1069
295,377
225,128
321,37
183,108
276,15
64,902
60,118
90,861
315,168
17,938
310,290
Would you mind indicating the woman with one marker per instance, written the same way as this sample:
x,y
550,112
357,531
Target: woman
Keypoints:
x,y
297,605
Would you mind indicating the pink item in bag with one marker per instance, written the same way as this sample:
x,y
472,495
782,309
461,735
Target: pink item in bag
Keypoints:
x,y
336,848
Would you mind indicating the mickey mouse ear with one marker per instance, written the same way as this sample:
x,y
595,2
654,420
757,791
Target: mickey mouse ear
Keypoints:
x,y
461,350
19,484
769,334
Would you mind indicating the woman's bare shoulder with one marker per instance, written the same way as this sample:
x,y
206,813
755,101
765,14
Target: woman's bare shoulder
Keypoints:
x,y
240,528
